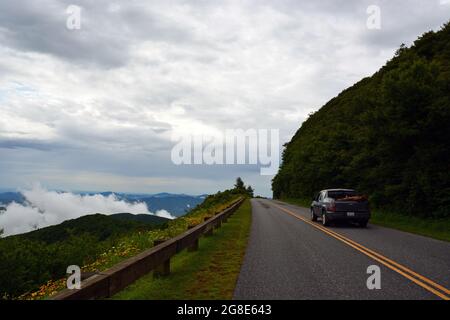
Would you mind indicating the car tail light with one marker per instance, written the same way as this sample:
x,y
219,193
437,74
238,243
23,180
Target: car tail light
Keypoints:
x,y
331,206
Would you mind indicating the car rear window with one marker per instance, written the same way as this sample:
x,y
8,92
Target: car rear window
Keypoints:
x,y
341,194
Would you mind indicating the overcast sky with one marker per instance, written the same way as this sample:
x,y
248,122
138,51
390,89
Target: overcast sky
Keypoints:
x,y
94,108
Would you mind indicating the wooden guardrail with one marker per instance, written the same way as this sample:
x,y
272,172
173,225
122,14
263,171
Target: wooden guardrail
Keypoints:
x,y
157,259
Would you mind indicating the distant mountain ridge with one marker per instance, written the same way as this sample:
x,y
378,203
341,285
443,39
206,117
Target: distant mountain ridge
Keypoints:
x,y
175,204
10,196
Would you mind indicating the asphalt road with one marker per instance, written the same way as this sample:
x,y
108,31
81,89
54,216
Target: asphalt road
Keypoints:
x,y
291,258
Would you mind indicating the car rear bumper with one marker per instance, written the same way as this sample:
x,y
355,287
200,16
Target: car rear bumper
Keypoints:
x,y
344,216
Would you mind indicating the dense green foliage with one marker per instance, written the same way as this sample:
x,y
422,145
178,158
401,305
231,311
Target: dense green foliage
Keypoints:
x,y
240,187
221,197
387,136
144,217
100,226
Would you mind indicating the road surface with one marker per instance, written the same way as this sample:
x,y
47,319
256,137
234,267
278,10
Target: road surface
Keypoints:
x,y
290,257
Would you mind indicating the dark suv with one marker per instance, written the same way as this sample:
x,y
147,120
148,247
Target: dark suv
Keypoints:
x,y
340,205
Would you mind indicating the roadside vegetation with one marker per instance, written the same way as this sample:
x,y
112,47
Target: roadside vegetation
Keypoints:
x,y
209,273
33,265
429,227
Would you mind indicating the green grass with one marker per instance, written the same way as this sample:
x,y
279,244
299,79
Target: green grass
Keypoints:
x,y
209,273
433,228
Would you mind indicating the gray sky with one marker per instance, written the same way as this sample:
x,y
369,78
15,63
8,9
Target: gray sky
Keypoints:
x,y
94,109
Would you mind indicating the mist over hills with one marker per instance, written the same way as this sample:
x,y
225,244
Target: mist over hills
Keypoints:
x,y
37,208
176,204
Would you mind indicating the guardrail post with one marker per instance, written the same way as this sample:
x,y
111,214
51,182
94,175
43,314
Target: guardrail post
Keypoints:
x,y
218,224
164,268
194,246
225,218
209,231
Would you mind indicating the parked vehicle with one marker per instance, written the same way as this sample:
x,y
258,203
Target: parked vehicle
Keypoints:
x,y
340,205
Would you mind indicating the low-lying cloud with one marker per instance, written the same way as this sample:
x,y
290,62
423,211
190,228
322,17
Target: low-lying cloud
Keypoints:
x,y
45,208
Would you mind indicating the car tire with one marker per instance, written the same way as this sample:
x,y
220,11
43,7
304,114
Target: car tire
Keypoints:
x,y
325,220
363,224
313,216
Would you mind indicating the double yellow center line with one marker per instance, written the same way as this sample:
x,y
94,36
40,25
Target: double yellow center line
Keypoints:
x,y
418,279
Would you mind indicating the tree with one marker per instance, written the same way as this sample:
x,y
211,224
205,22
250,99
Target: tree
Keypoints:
x,y
400,50
250,191
239,185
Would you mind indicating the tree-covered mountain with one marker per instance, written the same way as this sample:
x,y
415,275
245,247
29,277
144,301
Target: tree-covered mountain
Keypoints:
x,y
388,136
142,217
98,225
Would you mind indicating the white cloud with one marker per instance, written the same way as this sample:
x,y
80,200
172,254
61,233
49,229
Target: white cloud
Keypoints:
x,y
164,214
44,208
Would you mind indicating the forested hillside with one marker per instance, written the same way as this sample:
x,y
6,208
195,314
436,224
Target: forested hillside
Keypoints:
x,y
97,225
388,136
